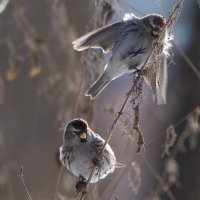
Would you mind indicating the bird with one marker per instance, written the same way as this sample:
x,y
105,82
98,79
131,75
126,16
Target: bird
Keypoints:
x,y
130,42
80,152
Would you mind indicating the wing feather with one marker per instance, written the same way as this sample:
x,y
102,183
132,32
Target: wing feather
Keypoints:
x,y
104,38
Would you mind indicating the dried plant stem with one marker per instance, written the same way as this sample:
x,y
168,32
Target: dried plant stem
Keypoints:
x,y
159,178
136,127
24,184
187,59
75,110
160,187
58,181
156,175
164,132
80,89
110,132
173,153
2,90
120,178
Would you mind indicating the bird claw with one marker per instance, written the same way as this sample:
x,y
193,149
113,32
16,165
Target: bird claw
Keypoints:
x,y
81,184
96,161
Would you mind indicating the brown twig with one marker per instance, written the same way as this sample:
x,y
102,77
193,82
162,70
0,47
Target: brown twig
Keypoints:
x,y
110,132
136,127
164,132
75,111
21,175
187,59
150,144
159,178
2,90
174,152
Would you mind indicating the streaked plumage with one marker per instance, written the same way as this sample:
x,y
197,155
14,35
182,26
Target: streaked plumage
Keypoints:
x,y
80,149
130,42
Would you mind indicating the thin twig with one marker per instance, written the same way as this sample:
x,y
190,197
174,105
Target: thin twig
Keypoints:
x,y
2,90
79,93
120,178
187,59
173,153
159,178
21,175
75,110
110,132
150,144
136,127
164,132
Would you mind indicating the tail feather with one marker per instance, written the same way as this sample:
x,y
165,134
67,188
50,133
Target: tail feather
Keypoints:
x,y
98,86
161,83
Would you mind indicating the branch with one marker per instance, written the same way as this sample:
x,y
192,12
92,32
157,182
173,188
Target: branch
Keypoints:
x,y
187,59
21,175
159,179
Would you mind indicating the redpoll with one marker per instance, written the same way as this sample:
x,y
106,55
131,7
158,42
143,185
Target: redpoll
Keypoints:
x,y
130,42
80,152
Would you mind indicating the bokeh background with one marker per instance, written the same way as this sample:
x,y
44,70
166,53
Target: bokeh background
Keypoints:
x,y
42,85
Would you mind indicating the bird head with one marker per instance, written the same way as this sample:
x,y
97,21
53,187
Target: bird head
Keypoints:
x,y
77,129
154,24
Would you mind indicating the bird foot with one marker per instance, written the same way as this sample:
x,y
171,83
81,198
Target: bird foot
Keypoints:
x,y
81,184
96,161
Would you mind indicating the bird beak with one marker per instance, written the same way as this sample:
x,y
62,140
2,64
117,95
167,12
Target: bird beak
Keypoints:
x,y
83,136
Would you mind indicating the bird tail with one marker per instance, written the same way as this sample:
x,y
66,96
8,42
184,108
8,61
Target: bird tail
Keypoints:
x,y
98,86
161,83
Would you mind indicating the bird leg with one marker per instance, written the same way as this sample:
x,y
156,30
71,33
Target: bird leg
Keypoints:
x,y
80,185
96,161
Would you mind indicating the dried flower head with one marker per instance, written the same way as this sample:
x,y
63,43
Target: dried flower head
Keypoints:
x,y
134,177
14,69
191,131
137,91
172,169
35,69
171,137
125,124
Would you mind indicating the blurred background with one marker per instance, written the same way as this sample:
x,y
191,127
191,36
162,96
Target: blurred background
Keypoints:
x,y
42,86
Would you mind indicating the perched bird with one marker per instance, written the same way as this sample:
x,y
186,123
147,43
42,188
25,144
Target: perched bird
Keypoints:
x,y
80,151
130,42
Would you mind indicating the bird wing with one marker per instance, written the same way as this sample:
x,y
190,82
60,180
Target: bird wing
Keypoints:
x,y
157,80
104,38
98,143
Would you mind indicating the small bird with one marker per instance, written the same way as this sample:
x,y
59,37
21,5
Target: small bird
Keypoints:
x,y
130,42
80,152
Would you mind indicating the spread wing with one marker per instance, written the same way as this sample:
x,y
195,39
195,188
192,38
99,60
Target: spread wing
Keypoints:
x,y
104,38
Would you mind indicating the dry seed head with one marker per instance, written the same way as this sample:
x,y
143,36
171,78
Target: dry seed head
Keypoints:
x,y
171,166
134,177
171,137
